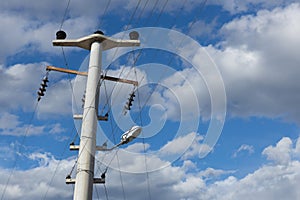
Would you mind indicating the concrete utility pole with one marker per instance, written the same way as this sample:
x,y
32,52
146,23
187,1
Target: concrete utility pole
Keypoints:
x,y
96,43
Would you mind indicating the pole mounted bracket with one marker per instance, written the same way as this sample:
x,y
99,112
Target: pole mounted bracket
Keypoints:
x,y
70,180
86,42
109,78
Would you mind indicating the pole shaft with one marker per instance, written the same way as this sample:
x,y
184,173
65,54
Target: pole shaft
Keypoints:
x,y
86,158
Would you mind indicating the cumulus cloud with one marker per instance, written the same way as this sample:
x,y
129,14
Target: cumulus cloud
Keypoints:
x,y
243,6
281,153
44,181
32,25
258,62
28,28
244,147
10,124
177,182
20,83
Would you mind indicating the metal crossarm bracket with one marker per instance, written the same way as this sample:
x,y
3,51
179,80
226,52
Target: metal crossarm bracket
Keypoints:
x,y
86,42
101,118
109,78
96,180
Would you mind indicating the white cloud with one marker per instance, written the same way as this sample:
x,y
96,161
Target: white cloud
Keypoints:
x,y
179,144
174,182
201,28
268,182
246,5
19,84
57,100
33,27
244,147
211,173
45,181
17,128
10,124
259,65
281,153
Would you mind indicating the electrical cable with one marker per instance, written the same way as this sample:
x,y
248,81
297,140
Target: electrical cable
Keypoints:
x,y
171,59
65,14
105,10
105,190
22,142
143,139
140,111
151,13
161,76
97,193
74,128
118,162
142,11
161,11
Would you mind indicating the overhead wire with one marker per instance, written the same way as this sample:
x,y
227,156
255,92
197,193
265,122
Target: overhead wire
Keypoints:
x,y
170,61
172,58
142,11
105,73
105,190
151,13
135,60
141,50
105,10
161,11
151,93
74,128
189,29
17,157
143,140
65,14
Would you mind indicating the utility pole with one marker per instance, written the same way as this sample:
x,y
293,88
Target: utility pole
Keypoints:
x,y
96,43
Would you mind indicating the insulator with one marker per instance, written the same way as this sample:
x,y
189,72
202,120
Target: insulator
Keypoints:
x,y
134,35
99,32
61,35
128,105
45,79
44,85
40,93
43,89
130,98
83,99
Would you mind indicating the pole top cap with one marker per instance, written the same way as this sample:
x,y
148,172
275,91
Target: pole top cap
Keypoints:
x,y
99,32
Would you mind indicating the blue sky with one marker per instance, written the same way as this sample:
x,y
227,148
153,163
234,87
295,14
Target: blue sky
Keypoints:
x,y
253,44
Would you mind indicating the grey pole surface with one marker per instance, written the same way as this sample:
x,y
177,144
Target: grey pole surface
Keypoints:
x,y
87,148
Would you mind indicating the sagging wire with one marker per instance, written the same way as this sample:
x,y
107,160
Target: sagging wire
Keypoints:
x,y
17,157
143,139
65,14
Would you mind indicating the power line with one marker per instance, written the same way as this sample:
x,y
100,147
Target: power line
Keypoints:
x,y
22,142
105,190
105,10
151,13
143,139
65,14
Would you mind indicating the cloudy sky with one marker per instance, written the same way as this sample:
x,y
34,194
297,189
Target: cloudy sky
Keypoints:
x,y
206,59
